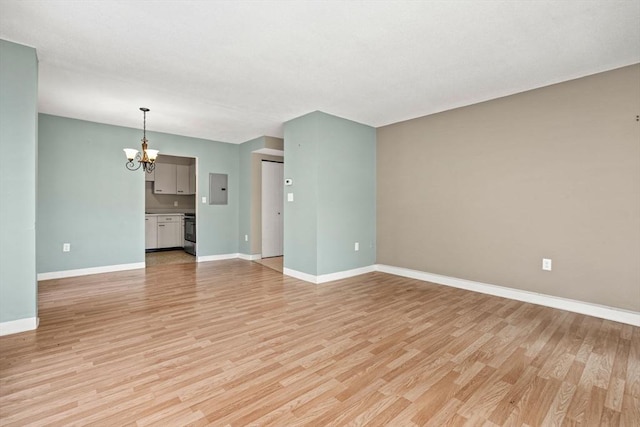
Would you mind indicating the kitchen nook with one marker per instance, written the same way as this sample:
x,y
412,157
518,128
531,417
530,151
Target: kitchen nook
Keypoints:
x,y
170,204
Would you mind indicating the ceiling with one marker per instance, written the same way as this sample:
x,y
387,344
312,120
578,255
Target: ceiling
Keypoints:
x,y
235,70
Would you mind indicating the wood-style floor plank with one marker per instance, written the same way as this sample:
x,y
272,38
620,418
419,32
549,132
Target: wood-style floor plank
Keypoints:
x,y
236,343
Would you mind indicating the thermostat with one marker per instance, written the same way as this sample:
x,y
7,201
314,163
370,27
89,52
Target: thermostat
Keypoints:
x,y
288,181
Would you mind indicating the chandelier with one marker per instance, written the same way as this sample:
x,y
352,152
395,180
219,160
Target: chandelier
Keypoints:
x,y
147,158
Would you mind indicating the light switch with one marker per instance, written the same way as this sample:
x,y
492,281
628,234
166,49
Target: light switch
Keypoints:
x,y
289,197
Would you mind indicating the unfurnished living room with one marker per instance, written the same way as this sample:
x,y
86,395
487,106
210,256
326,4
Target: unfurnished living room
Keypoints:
x,y
320,213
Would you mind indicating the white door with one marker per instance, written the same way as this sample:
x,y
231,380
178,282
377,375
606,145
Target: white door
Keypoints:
x,y
272,208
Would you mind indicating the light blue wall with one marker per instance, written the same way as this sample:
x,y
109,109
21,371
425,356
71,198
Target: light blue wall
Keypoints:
x,y
301,215
88,198
332,163
346,194
18,150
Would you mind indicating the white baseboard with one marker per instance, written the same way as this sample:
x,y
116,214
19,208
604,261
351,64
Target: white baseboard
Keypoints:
x,y
323,278
132,266
590,309
217,257
300,275
20,325
248,257
91,270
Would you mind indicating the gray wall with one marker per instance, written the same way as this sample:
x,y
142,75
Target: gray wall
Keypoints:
x,y
98,206
485,192
332,163
18,157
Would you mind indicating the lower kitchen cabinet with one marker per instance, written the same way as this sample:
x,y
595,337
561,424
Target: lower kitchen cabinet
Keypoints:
x,y
150,232
163,231
169,231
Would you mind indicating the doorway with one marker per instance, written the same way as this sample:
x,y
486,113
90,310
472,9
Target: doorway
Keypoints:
x,y
170,203
272,208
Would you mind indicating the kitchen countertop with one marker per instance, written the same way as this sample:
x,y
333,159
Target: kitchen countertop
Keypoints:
x,y
163,214
168,212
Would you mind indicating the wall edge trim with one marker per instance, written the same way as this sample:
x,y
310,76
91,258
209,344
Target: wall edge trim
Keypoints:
x,y
596,310
91,270
300,275
250,257
19,325
217,257
330,277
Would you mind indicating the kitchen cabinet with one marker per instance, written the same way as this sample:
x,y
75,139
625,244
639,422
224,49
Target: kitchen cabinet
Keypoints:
x,y
182,179
169,231
192,179
150,232
174,179
165,179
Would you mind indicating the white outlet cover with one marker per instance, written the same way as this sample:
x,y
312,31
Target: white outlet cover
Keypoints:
x,y
204,200
289,197
546,264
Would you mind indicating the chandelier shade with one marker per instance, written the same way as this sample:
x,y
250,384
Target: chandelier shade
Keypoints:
x,y
148,157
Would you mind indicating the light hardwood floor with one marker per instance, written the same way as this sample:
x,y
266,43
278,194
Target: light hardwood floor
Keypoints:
x,y
235,343
274,263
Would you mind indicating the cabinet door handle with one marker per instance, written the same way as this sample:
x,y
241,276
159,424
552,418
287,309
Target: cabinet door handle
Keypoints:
x,y
160,225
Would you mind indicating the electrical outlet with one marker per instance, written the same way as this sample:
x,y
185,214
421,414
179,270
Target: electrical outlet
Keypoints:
x,y
356,246
66,247
204,200
246,237
175,203
546,264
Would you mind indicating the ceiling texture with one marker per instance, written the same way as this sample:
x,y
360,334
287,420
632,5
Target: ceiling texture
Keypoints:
x,y
234,70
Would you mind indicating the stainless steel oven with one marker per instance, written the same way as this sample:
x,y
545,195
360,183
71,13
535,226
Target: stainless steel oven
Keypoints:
x,y
190,233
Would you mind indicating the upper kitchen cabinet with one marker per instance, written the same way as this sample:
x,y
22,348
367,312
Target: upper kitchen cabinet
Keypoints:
x,y
182,179
175,175
192,178
165,179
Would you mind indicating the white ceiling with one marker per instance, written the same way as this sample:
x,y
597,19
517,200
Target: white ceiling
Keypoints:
x,y
235,70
